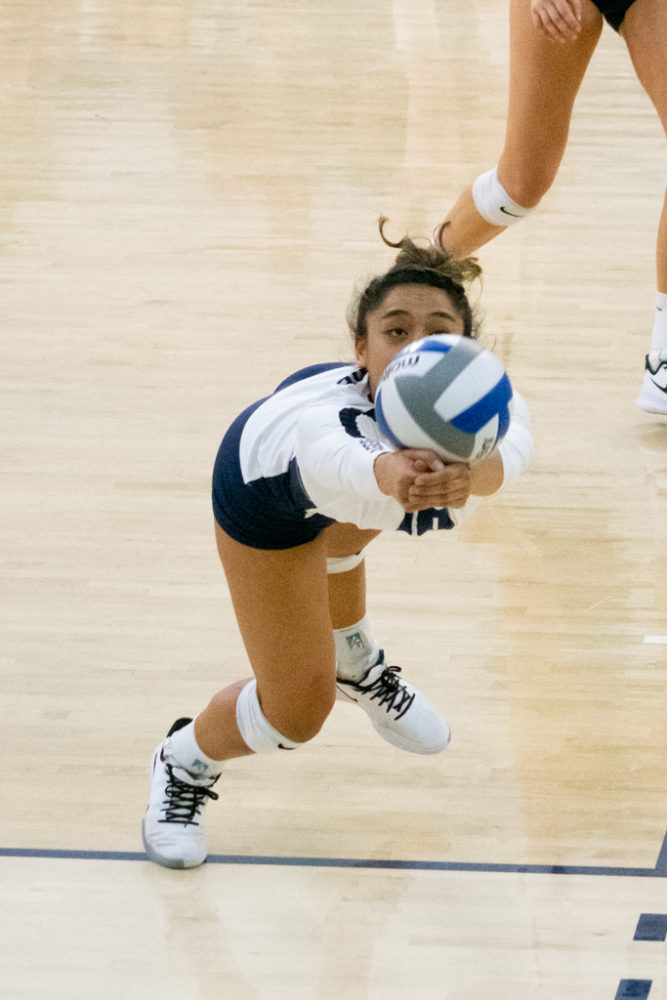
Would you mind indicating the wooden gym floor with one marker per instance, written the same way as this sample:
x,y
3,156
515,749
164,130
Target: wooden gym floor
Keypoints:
x,y
188,196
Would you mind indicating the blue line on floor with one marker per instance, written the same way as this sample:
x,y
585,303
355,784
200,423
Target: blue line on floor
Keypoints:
x,y
638,989
661,863
369,863
651,927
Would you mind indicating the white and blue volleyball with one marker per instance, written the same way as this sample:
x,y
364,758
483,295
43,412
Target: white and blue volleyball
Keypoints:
x,y
446,393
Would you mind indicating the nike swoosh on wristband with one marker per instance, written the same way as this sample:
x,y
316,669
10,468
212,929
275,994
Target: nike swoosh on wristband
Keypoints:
x,y
513,214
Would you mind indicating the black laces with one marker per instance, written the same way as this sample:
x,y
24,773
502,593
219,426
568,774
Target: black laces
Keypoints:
x,y
388,691
183,801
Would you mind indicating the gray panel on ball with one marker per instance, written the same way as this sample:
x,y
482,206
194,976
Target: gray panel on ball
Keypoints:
x,y
419,395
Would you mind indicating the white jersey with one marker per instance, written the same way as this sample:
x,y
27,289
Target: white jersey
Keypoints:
x,y
319,425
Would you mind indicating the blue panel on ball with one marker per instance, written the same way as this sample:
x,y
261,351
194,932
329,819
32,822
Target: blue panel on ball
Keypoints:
x,y
431,344
493,404
385,429
504,419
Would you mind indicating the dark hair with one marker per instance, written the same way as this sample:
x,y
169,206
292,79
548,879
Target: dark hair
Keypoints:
x,y
418,266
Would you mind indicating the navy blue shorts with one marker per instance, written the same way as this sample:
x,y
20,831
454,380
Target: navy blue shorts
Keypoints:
x,y
266,513
613,11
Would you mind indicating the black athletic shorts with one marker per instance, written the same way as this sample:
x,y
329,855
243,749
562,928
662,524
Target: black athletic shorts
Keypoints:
x,y
613,10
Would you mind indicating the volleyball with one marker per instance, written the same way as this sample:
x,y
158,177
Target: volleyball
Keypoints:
x,y
446,393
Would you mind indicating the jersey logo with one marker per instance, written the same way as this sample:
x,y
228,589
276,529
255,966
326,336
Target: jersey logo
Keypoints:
x,y
358,375
349,418
421,521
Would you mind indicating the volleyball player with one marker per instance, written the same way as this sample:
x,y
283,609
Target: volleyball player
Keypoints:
x,y
301,485
551,43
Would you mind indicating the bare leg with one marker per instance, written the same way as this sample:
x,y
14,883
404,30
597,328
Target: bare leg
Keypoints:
x,y
544,81
645,32
347,591
282,604
661,251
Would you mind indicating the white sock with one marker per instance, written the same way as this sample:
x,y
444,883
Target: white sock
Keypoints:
x,y
356,649
659,336
187,753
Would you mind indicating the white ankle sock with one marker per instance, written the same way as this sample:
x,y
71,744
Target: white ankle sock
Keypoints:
x,y
356,649
659,336
187,753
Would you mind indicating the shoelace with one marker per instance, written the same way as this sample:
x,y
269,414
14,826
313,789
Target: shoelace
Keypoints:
x,y
387,690
184,801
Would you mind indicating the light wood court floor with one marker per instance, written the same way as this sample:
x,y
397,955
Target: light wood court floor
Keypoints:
x,y
188,194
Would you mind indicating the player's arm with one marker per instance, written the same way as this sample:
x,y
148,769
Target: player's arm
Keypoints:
x,y
355,472
334,459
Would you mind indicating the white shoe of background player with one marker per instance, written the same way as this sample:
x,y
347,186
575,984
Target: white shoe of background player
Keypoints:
x,y
653,394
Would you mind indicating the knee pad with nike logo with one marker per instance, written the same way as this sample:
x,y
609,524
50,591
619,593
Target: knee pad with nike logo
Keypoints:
x,y
493,202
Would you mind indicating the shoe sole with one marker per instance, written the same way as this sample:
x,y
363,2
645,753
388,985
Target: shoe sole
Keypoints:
x,y
160,859
648,408
650,400
389,737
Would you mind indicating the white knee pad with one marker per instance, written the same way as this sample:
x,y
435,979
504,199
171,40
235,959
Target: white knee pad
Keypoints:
x,y
493,202
257,732
343,564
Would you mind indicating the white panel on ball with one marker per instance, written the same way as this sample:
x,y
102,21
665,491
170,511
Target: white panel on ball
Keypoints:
x,y
470,386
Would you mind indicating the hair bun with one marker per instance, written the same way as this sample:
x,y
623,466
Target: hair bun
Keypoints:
x,y
462,271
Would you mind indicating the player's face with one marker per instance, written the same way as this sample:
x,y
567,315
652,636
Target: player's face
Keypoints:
x,y
407,313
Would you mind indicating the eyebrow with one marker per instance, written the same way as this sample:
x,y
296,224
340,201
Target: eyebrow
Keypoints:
x,y
404,312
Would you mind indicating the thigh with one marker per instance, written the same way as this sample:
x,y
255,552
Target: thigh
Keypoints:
x,y
644,29
544,81
280,598
347,539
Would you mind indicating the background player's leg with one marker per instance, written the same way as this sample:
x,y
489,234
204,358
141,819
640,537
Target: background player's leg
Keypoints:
x,y
645,32
544,80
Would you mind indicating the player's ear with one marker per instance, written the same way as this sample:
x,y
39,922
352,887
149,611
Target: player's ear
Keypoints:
x,y
361,351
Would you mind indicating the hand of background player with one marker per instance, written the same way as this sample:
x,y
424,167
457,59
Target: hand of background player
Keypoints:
x,y
419,480
559,20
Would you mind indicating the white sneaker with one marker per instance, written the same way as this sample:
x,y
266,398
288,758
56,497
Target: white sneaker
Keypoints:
x,y
171,828
399,712
653,393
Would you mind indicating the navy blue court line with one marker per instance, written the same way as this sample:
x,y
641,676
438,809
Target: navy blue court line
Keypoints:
x,y
370,863
638,989
651,927
661,863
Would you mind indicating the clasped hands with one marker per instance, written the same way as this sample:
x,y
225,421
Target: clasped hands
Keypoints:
x,y
419,480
